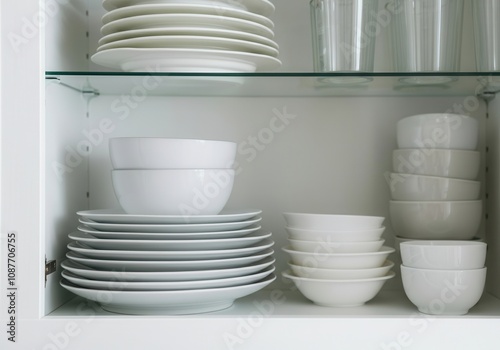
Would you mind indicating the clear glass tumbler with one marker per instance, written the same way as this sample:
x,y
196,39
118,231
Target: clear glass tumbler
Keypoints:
x,y
486,17
344,33
426,35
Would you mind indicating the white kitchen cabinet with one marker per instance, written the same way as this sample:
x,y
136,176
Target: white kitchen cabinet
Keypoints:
x,y
329,154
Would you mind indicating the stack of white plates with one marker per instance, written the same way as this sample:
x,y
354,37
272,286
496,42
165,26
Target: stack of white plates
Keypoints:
x,y
168,264
188,36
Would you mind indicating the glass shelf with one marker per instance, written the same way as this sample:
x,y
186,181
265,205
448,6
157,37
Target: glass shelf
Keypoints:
x,y
284,84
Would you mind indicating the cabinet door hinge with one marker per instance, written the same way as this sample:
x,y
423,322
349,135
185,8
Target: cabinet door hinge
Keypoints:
x,y
50,267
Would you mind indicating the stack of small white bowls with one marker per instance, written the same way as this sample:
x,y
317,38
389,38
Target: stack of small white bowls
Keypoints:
x,y
337,260
165,176
434,188
443,277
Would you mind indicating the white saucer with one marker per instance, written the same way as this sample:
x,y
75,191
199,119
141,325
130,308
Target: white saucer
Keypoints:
x,y
167,302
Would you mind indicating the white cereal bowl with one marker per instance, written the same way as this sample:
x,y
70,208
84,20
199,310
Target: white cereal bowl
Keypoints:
x,y
442,220
330,222
438,130
365,235
459,164
409,187
341,274
324,246
443,292
339,293
173,191
340,260
443,255
169,153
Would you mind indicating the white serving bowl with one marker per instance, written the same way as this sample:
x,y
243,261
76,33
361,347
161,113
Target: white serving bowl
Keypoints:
x,y
169,153
443,255
324,246
459,164
330,222
174,191
409,187
366,235
339,293
455,220
340,260
443,292
341,274
438,130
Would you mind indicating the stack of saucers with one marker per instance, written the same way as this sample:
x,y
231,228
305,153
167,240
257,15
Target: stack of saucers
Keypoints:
x,y
337,260
188,36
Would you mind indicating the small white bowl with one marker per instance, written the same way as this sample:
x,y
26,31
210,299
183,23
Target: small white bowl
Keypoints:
x,y
341,274
443,255
340,260
443,292
339,293
452,163
438,130
169,153
330,222
328,246
455,220
409,187
173,191
365,235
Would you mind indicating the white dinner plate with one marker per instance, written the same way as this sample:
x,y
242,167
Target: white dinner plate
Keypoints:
x,y
145,255
167,285
261,7
169,265
162,236
164,276
172,228
183,30
178,244
184,60
191,42
167,302
192,20
153,9
118,216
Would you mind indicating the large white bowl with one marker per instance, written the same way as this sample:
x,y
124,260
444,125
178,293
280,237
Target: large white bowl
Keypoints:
x,y
341,274
438,130
365,235
443,292
409,187
340,260
458,164
339,293
323,246
169,153
455,220
443,255
174,191
330,222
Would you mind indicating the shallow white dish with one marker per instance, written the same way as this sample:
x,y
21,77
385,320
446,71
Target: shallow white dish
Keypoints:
x,y
167,302
366,235
168,265
335,247
193,20
163,236
175,245
185,60
164,276
184,30
169,255
261,7
191,42
172,228
341,274
331,222
152,9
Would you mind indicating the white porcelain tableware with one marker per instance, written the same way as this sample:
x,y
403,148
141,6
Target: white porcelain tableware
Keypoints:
x,y
366,235
443,255
339,293
341,274
335,247
443,292
331,222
